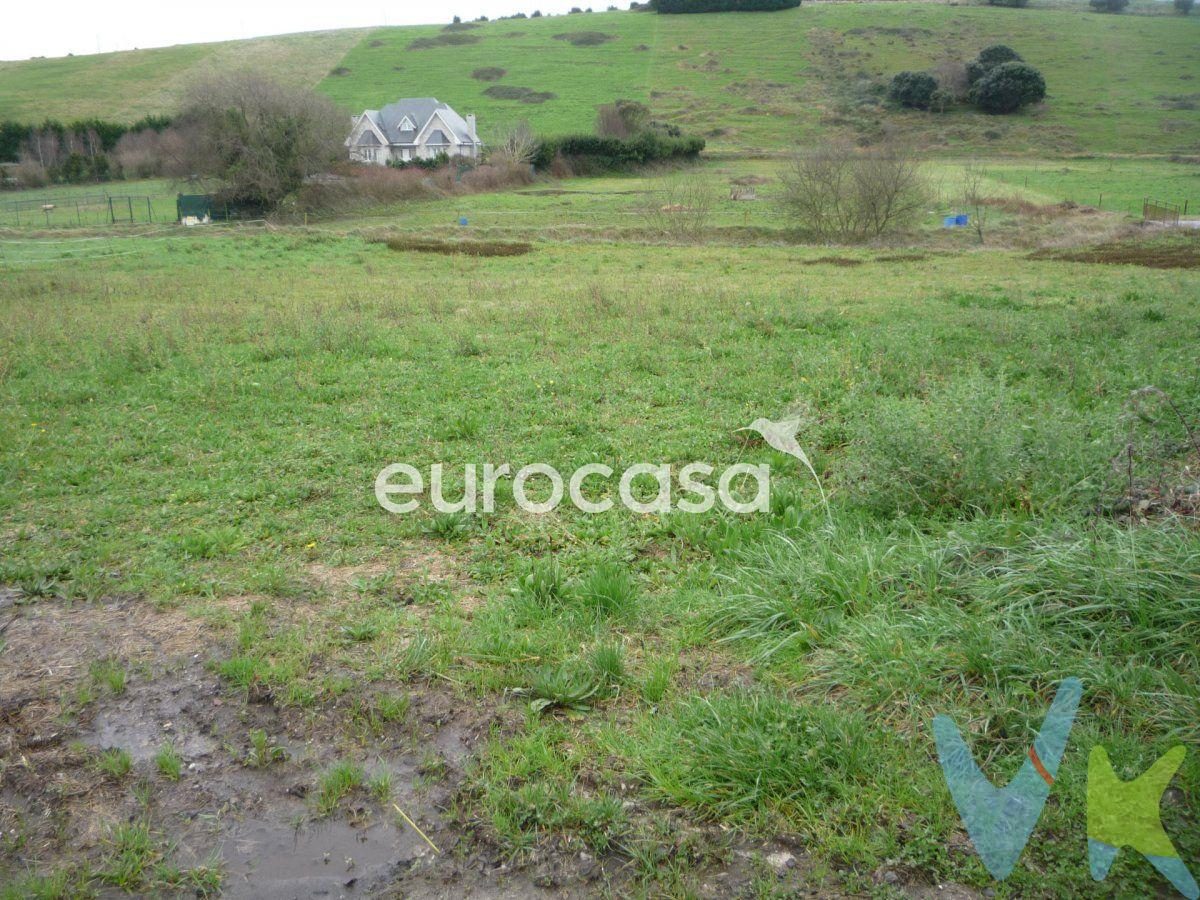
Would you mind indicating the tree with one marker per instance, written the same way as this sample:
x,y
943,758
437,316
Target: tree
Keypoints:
x,y
838,192
1008,87
997,54
1184,6
1109,6
974,199
913,89
260,139
622,119
516,145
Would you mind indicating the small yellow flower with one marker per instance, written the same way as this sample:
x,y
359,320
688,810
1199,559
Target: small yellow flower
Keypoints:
x,y
310,545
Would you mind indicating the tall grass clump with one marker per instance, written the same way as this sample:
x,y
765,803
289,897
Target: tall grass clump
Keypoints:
x,y
607,591
968,447
747,755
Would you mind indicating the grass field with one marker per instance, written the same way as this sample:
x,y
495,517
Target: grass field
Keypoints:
x,y
1117,84
126,86
226,669
198,425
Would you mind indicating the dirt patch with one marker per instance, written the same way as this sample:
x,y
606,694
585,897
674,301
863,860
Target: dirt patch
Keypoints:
x,y
1177,254
453,39
902,257
257,820
751,180
523,94
585,38
462,248
489,73
842,261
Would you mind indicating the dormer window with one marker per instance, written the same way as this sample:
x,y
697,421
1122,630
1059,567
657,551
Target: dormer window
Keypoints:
x,y
406,124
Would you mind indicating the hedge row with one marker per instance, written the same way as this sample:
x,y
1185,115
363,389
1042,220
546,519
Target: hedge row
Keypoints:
x,y
668,7
614,153
14,135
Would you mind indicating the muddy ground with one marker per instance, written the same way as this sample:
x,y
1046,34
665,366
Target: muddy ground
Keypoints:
x,y
257,824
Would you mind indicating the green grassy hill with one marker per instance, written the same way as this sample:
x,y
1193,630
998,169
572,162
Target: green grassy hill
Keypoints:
x,y
1118,84
126,86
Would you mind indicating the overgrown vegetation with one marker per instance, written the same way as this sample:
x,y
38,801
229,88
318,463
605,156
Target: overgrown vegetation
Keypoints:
x,y
840,193
657,681
259,139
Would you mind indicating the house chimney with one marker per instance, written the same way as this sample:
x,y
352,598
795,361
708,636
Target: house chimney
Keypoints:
x,y
471,126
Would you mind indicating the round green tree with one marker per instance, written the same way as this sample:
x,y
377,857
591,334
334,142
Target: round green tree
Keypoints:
x,y
1008,87
913,89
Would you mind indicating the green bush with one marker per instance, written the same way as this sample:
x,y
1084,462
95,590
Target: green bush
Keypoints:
x,y
1109,6
1014,4
942,100
1184,6
668,7
996,55
1008,87
913,89
966,447
614,153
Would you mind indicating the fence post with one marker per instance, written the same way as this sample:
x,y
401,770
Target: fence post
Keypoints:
x,y
149,211
112,217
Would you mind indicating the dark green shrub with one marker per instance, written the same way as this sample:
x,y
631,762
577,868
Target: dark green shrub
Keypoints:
x,y
997,54
1184,6
614,153
1014,4
941,100
1008,87
1109,6
913,89
668,7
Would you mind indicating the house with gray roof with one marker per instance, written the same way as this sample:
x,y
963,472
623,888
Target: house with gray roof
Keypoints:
x,y
411,129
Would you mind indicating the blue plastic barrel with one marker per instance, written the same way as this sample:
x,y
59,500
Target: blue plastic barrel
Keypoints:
x,y
962,221
950,221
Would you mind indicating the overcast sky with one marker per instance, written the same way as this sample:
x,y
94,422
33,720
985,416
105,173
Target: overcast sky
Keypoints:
x,y
91,26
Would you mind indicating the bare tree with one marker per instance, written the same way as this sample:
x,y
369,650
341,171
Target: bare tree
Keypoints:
x,y
839,192
679,207
149,153
951,75
973,182
260,139
515,146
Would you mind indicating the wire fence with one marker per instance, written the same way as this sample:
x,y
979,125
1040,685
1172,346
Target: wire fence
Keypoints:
x,y
86,209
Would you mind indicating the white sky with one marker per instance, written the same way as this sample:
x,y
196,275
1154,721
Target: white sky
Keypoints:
x,y
90,26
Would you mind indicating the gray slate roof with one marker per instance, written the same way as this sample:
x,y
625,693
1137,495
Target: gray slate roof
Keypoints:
x,y
419,110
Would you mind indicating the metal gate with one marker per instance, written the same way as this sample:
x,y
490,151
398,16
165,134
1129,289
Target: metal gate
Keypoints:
x,y
1160,211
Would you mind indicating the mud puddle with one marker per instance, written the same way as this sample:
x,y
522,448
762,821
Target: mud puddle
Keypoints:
x,y
270,859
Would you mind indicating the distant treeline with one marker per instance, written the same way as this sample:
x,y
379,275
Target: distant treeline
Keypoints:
x,y
616,153
709,6
18,136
